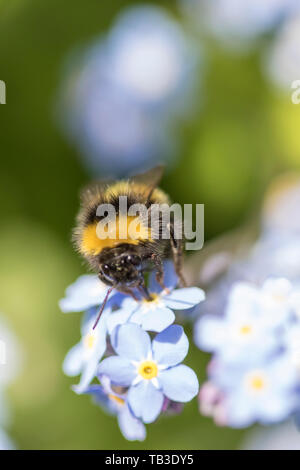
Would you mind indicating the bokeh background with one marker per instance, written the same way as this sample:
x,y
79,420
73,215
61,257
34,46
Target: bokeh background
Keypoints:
x,y
237,130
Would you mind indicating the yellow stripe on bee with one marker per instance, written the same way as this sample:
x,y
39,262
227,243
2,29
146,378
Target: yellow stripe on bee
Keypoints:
x,y
126,229
124,187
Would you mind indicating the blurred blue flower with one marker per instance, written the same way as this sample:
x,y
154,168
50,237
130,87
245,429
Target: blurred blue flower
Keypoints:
x,y
151,371
254,374
236,21
291,342
265,392
122,97
114,134
254,371
151,58
235,339
115,403
249,329
5,441
11,356
275,254
84,357
282,64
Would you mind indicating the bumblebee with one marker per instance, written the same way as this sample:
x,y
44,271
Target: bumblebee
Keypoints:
x,y
121,262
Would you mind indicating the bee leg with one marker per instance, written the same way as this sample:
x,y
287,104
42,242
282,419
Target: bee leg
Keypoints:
x,y
131,293
144,291
159,275
177,254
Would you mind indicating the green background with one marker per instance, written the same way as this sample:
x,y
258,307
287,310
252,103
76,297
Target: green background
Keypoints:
x,y
244,133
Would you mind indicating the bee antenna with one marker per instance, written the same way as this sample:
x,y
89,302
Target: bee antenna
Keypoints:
x,y
102,306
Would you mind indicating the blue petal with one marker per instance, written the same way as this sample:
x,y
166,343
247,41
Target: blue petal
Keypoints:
x,y
86,292
131,342
170,278
73,362
116,298
130,304
88,373
209,332
131,427
179,383
89,319
118,369
100,398
5,442
91,364
154,320
145,401
119,317
181,299
96,390
170,346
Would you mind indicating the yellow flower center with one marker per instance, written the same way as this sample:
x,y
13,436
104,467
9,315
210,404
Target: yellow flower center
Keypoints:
x,y
118,400
148,370
245,330
279,298
257,382
154,298
89,341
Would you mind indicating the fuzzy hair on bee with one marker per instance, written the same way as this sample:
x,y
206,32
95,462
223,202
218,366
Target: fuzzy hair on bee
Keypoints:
x,y
122,258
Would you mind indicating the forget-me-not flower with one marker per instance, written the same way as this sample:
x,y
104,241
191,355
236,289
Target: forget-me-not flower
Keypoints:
x,y
86,292
84,357
133,83
116,404
157,314
150,370
151,58
248,329
265,392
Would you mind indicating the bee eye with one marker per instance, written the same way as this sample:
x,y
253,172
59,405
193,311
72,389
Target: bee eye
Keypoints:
x,y
105,268
134,259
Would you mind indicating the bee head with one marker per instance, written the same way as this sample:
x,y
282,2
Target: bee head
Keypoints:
x,y
123,270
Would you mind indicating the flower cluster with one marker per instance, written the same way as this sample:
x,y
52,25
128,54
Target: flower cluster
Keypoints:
x,y
254,374
135,352
131,84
